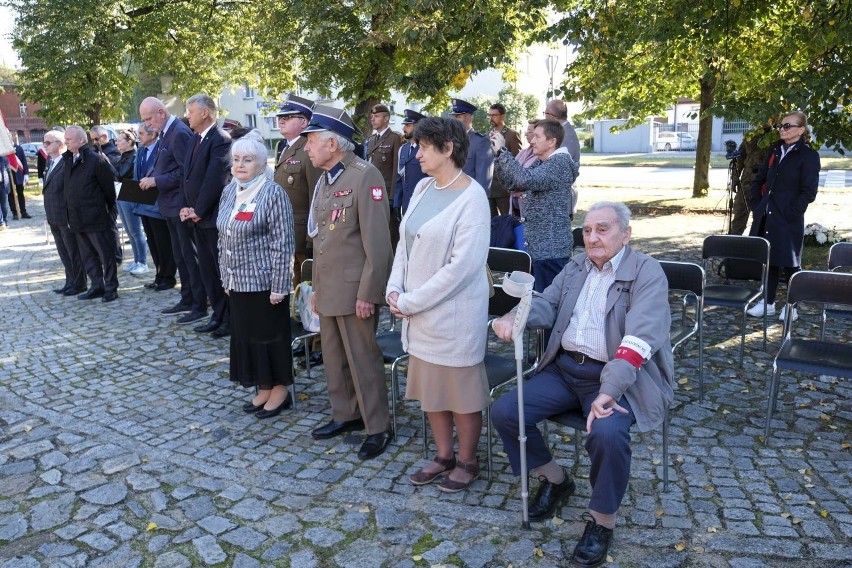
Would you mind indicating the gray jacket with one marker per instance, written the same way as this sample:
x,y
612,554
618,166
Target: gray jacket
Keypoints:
x,y
546,203
638,305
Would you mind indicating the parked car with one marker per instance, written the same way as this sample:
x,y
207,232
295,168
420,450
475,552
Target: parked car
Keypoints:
x,y
669,141
31,150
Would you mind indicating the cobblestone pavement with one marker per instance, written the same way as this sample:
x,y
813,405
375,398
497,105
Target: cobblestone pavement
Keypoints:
x,y
122,444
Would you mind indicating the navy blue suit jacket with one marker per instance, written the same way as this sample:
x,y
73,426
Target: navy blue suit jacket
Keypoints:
x,y
409,173
205,175
480,159
167,168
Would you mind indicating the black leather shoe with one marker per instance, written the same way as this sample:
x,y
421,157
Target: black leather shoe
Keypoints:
x,y
593,546
163,286
548,497
334,428
207,327
91,294
61,290
191,317
26,215
175,310
109,297
249,407
375,445
73,291
150,285
223,330
287,403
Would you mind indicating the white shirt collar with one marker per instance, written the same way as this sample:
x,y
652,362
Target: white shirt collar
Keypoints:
x,y
382,133
206,130
614,261
294,140
168,125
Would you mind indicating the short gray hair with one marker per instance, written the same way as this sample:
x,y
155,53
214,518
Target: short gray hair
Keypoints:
x,y
78,130
100,130
252,147
57,135
147,128
622,212
203,100
344,144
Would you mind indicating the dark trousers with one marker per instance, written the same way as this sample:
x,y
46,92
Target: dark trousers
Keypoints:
x,y
186,258
97,250
116,236
22,204
546,270
499,205
208,264
564,385
160,245
773,276
69,254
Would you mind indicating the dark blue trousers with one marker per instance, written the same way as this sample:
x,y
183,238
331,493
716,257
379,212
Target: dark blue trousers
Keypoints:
x,y
545,271
565,385
186,257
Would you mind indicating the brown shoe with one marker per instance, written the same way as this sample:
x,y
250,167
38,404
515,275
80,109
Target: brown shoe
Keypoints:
x,y
423,478
450,486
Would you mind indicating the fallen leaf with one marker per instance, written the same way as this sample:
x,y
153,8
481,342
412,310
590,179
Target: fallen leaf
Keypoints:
x,y
364,510
27,427
709,488
537,552
609,558
502,454
151,526
832,426
809,485
786,515
680,546
557,521
726,412
566,439
417,558
660,512
811,503
303,396
698,549
687,388
845,446
823,514
824,416
711,529
656,462
682,381
796,520
744,391
331,451
206,430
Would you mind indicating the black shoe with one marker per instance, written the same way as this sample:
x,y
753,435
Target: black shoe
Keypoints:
x,y
175,310
315,358
191,317
249,407
548,497
61,290
26,215
333,429
14,217
223,330
375,445
91,294
151,285
211,325
593,546
109,297
164,286
73,291
287,403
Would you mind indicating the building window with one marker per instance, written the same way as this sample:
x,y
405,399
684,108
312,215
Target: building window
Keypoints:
x,y
251,121
23,109
734,126
271,123
249,92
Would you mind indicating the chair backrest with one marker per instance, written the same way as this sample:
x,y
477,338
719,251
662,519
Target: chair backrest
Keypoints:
x,y
820,286
840,256
307,269
503,260
577,234
747,257
685,276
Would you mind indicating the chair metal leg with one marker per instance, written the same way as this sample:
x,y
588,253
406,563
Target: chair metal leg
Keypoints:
x,y
773,399
764,328
576,446
490,442
742,335
700,359
394,389
822,327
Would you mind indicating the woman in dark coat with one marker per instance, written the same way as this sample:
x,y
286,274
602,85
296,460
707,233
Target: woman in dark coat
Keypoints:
x,y
778,198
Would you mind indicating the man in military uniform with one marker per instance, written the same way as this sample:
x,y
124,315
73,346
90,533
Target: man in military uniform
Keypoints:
x,y
296,174
382,150
753,151
498,197
352,256
480,159
409,166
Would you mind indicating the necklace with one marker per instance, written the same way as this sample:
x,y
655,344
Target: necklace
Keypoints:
x,y
458,175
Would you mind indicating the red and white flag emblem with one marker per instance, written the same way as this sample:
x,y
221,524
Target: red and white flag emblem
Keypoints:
x,y
377,192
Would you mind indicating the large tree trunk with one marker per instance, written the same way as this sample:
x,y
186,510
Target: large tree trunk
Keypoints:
x,y
701,183
93,113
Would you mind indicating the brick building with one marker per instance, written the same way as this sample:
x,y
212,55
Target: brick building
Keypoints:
x,y
21,116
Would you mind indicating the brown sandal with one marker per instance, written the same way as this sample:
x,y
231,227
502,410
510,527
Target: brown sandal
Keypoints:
x,y
450,486
423,478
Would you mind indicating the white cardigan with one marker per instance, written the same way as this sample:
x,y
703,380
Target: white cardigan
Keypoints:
x,y
442,283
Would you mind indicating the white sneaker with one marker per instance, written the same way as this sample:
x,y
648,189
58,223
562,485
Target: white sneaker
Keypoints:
x,y
140,268
757,310
783,315
128,266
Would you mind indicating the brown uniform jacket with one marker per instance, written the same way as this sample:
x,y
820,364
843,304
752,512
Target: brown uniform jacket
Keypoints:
x,y
513,145
298,176
384,154
352,260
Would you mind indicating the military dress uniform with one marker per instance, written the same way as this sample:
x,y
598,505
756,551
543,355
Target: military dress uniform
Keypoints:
x,y
383,152
480,158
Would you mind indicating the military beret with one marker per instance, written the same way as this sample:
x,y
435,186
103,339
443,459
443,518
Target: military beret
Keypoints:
x,y
379,108
411,116
331,119
296,105
462,107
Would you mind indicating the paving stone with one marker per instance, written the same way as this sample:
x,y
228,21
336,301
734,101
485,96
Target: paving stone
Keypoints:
x,y
277,551
142,481
282,524
98,541
768,546
216,525
51,512
56,550
158,543
323,537
666,560
52,476
13,527
361,554
244,537
109,494
387,518
478,555
172,560
31,449
304,559
21,562
742,562
188,535
209,550
119,463
53,459
250,509
69,532
520,551
243,561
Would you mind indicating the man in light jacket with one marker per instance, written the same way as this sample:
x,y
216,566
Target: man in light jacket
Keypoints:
x,y
610,356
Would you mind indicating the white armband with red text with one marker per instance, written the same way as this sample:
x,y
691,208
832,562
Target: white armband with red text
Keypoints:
x,y
633,350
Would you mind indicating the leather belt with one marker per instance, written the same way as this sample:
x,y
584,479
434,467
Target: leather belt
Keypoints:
x,y
581,358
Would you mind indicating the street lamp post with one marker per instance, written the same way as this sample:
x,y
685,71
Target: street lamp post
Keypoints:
x,y
550,62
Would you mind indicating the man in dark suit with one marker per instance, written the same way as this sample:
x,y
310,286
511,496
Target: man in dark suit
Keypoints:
x,y
498,197
296,174
383,152
90,196
205,174
56,212
17,202
480,159
408,166
174,143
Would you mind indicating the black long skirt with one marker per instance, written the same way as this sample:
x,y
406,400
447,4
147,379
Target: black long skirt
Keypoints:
x,y
260,340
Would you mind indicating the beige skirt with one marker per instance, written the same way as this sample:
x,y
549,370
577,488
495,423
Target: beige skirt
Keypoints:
x,y
462,390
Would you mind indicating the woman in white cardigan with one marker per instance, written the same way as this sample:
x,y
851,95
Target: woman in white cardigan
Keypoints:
x,y
439,288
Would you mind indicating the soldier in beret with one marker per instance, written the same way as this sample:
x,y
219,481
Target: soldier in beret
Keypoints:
x,y
382,150
480,160
296,174
409,167
348,223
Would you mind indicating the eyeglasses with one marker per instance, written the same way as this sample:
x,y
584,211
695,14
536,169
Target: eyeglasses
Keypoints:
x,y
787,126
493,114
548,113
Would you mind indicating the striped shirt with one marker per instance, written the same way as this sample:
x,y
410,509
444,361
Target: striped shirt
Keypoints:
x,y
586,331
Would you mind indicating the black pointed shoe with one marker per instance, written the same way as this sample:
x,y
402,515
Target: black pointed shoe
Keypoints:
x,y
375,445
91,294
334,428
285,404
593,546
549,496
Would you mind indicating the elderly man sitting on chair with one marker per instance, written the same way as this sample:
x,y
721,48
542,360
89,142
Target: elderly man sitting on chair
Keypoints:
x,y
609,356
